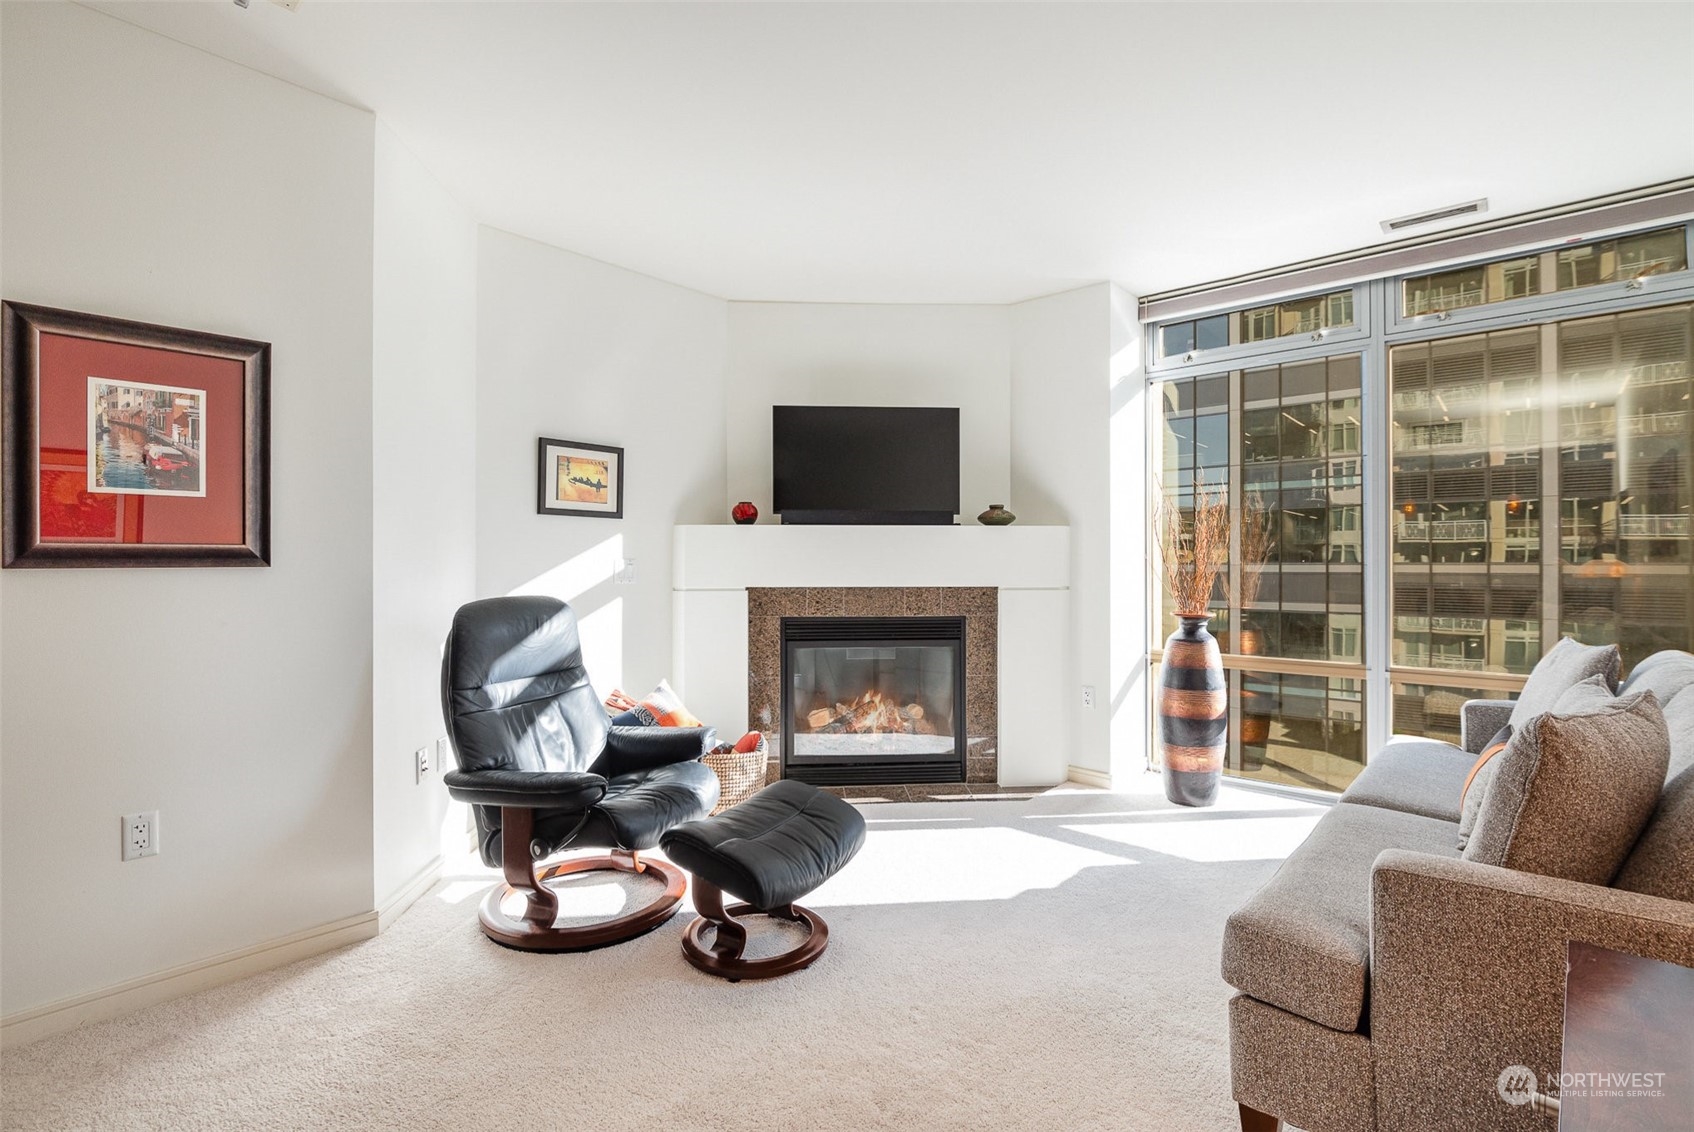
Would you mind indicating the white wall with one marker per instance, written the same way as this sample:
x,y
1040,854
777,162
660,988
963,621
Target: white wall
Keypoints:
x,y
571,348
844,354
424,492
1130,616
1060,367
146,180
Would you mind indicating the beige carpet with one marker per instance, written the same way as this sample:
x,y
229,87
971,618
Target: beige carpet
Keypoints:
x,y
1048,963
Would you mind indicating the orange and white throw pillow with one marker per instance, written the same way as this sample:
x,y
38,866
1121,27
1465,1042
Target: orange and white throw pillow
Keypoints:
x,y
661,707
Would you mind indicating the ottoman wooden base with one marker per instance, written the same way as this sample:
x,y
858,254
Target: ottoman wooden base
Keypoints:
x,y
723,957
771,850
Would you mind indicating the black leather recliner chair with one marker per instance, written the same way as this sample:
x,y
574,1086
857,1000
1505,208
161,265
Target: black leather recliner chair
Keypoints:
x,y
546,771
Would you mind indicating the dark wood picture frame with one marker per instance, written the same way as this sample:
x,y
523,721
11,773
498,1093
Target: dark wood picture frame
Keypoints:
x,y
546,503
21,327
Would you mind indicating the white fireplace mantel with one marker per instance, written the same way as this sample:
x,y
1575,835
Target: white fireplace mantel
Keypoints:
x,y
1010,558
714,566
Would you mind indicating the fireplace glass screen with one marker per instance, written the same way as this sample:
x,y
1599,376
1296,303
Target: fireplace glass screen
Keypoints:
x,y
873,699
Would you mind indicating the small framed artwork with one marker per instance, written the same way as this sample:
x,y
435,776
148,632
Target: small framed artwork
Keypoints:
x,y
579,479
128,444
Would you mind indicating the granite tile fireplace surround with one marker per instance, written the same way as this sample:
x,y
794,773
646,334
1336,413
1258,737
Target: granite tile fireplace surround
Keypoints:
x,y
978,605
732,587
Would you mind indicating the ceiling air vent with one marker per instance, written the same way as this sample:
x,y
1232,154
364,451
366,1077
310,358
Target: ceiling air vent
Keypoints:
x,y
1401,223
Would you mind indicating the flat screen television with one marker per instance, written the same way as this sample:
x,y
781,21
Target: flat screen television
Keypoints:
x,y
841,464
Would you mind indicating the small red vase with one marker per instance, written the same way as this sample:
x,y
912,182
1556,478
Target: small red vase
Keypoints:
x,y
744,513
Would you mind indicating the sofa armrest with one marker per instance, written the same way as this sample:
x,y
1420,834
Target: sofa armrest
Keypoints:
x,y
1468,976
1480,719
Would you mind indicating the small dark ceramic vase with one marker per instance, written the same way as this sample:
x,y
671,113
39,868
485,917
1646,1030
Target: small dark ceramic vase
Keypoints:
x,y
1193,714
996,516
744,513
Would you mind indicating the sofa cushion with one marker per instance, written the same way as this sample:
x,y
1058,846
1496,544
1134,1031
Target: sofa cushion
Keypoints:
x,y
1415,776
1665,674
1476,784
1302,942
1662,861
1575,787
1566,665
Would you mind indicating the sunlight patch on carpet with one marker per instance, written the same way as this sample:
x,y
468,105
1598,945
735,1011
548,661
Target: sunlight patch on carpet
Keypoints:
x,y
1241,839
1229,802
920,866
459,891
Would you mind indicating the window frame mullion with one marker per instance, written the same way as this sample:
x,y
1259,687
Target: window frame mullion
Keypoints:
x,y
1376,405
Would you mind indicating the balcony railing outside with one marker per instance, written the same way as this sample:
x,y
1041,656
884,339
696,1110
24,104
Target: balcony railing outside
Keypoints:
x,y
1420,658
1653,526
1454,434
1635,426
1445,530
1442,398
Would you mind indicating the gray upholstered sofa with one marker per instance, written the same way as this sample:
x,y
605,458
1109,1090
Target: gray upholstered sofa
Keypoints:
x,y
1385,981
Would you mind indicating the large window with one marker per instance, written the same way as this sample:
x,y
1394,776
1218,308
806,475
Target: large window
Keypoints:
x,y
1519,476
1626,480
1542,480
1467,480
1285,442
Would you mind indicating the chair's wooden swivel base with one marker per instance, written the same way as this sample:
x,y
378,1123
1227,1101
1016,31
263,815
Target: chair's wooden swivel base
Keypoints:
x,y
533,929
770,850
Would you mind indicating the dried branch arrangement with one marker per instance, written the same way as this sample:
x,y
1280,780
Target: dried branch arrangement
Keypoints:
x,y
1193,553
1258,539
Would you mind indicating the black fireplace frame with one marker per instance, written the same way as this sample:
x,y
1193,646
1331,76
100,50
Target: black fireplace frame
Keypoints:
x,y
873,632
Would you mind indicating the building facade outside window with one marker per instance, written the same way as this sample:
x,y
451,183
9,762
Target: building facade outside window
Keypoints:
x,y
1447,498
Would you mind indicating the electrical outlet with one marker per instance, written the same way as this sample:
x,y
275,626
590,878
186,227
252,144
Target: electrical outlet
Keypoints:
x,y
441,751
1088,695
624,574
141,835
422,754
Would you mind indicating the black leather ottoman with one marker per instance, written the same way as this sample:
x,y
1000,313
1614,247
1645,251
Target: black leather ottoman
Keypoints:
x,y
770,851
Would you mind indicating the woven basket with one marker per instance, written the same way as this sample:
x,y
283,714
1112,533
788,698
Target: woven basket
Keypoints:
x,y
740,776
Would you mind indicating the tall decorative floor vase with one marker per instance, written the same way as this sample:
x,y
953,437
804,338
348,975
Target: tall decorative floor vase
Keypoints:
x,y
1193,714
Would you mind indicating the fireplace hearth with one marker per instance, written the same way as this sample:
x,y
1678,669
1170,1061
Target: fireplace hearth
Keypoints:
x,y
873,700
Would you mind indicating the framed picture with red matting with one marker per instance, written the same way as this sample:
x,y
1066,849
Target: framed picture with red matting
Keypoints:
x,y
128,444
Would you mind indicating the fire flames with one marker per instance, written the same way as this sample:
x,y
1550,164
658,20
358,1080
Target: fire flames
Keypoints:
x,y
870,714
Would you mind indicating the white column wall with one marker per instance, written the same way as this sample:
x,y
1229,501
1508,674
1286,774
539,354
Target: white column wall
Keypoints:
x,y
1129,611
424,494
1061,352
147,180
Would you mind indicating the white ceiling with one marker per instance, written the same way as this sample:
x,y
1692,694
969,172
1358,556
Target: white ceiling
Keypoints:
x,y
984,153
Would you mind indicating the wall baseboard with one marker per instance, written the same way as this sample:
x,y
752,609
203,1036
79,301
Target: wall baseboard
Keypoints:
x,y
407,894
1083,776
148,990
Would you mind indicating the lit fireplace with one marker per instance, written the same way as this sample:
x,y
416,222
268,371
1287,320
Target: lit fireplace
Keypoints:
x,y
873,699
873,723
